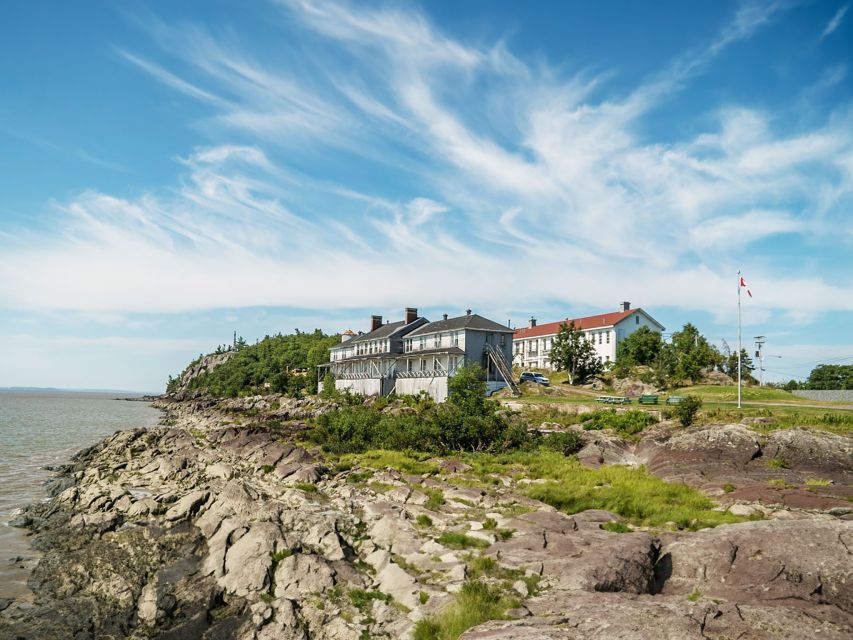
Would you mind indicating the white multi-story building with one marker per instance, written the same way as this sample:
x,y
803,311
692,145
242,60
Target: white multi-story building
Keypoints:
x,y
415,355
531,346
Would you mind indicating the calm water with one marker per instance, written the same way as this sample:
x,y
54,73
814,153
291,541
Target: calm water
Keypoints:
x,y
39,429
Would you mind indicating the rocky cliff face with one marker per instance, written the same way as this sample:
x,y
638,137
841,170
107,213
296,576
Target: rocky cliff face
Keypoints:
x,y
211,529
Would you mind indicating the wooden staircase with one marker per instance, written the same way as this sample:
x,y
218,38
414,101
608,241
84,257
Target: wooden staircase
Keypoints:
x,y
503,368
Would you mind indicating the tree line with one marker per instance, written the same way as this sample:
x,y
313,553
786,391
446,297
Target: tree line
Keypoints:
x,y
668,364
277,364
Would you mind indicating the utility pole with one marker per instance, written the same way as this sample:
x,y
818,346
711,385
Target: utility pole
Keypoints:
x,y
759,353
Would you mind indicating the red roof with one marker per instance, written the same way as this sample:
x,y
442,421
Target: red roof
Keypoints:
x,y
600,321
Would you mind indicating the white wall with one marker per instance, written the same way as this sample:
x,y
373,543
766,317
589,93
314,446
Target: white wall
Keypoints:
x,y
435,387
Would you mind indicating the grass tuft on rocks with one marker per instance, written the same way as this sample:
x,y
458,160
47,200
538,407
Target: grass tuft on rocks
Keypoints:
x,y
475,604
454,540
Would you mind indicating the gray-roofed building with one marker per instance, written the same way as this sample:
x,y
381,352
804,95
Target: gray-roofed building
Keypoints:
x,y
415,355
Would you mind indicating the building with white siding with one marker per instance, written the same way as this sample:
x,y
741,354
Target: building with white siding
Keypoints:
x,y
415,355
531,346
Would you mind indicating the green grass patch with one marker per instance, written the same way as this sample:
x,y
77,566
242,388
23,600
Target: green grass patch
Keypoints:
x,y
454,540
307,487
729,487
423,520
777,463
817,482
475,604
694,595
779,484
406,462
363,600
839,421
266,468
381,487
634,494
360,477
616,527
490,523
435,498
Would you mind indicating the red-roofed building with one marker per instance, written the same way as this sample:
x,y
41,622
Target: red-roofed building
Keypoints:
x,y
531,346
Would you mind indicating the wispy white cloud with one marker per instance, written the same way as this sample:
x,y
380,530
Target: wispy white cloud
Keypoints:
x,y
835,21
504,166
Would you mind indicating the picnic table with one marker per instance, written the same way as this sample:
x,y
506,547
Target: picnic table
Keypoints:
x,y
613,400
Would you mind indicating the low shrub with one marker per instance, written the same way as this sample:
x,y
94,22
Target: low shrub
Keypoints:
x,y
625,423
616,527
686,410
777,463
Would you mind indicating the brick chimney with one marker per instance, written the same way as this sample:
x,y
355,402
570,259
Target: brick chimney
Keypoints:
x,y
626,306
411,314
375,322
532,322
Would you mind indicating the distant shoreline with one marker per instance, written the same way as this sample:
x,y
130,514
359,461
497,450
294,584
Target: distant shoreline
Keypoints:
x,y
123,393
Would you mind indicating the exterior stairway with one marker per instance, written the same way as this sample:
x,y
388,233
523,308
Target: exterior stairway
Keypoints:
x,y
503,368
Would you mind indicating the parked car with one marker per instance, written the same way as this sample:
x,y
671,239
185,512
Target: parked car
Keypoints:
x,y
538,378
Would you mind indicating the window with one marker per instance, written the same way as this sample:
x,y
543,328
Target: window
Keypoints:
x,y
608,337
409,365
503,339
636,319
599,338
455,338
437,341
423,364
422,343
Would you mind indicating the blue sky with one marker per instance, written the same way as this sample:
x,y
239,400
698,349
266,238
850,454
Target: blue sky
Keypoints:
x,y
172,172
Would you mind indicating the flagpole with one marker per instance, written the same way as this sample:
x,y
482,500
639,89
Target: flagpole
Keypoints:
x,y
739,347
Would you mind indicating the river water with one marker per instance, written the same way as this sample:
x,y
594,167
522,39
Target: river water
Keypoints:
x,y
40,429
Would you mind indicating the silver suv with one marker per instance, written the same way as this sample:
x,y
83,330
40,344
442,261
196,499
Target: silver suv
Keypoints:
x,y
538,378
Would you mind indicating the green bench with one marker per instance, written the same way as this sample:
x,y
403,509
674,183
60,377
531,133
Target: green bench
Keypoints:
x,y
675,399
648,399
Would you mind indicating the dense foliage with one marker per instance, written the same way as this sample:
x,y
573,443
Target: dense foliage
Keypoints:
x,y
625,423
640,348
277,364
468,421
573,353
831,376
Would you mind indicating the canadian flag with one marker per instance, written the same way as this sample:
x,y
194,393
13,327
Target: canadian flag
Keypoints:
x,y
745,286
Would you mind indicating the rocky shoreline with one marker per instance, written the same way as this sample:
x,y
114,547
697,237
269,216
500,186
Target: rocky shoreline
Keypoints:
x,y
219,524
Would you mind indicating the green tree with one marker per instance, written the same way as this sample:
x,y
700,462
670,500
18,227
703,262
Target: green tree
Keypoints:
x,y
831,376
281,363
729,366
640,348
573,353
467,390
692,353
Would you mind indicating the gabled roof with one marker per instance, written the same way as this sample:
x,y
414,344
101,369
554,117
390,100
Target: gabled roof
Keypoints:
x,y
385,331
600,321
468,321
